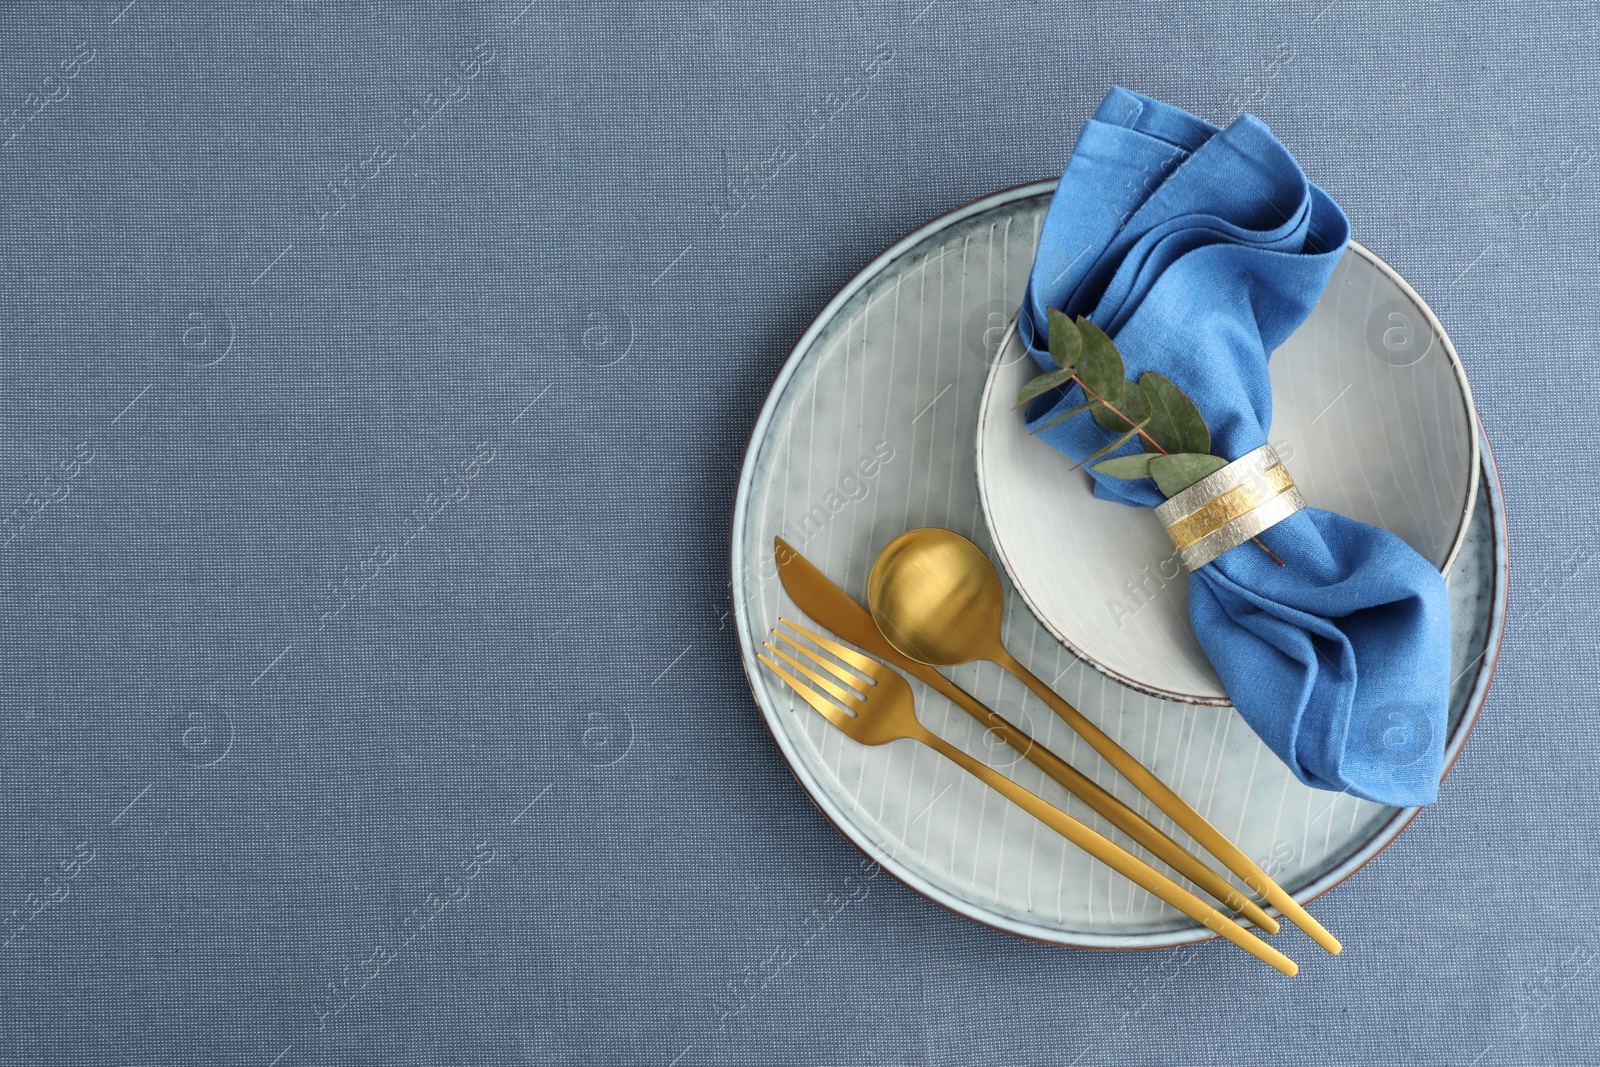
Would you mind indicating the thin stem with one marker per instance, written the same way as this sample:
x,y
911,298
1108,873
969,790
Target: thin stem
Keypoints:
x,y
1097,398
1269,551
1108,406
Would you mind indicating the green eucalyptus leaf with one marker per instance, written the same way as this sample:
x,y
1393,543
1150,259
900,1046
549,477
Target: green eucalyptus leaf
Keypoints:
x,y
1065,341
1126,467
1041,385
1132,407
1177,472
1100,367
1076,409
1175,423
1112,447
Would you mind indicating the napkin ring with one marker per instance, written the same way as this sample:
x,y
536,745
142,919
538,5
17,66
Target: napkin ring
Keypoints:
x,y
1227,508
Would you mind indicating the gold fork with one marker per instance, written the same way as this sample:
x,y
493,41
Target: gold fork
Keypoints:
x,y
874,705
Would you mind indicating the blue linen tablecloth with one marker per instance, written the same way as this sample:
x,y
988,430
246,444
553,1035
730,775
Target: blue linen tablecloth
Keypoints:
x,y
374,378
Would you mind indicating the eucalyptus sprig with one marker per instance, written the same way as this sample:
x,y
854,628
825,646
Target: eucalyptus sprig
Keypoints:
x,y
1176,440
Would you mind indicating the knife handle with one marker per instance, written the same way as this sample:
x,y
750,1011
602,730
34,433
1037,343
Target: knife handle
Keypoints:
x,y
1175,807
1104,804
1113,856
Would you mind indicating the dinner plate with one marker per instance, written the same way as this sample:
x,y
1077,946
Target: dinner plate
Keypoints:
x,y
867,432
1371,414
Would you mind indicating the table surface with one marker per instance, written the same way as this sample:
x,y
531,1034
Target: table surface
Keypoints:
x,y
375,381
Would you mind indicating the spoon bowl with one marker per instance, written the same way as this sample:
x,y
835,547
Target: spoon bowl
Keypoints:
x,y
937,598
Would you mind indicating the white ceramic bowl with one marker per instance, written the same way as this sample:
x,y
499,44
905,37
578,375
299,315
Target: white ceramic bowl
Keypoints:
x,y
1371,414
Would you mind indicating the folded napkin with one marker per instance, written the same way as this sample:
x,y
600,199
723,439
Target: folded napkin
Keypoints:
x,y
1199,251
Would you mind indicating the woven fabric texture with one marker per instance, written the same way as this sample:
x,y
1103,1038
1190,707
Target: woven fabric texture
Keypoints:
x,y
375,379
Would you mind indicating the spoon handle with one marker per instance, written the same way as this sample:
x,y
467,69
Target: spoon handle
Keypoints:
x,y
1113,855
1093,796
1175,807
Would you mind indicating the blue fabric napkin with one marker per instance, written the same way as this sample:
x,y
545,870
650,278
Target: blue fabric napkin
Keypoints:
x,y
1199,251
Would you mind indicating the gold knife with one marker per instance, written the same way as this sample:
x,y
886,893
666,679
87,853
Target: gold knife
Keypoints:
x,y
834,609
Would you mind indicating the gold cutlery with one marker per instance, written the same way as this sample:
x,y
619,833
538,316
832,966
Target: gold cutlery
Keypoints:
x,y
936,597
834,610
874,705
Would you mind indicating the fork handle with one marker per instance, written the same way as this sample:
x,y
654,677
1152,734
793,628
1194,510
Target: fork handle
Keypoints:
x,y
1112,810
1112,855
1176,808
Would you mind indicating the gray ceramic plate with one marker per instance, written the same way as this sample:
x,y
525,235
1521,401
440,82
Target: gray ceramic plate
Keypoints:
x,y
867,432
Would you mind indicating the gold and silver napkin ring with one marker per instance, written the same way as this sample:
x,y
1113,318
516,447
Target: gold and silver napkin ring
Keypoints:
x,y
1225,509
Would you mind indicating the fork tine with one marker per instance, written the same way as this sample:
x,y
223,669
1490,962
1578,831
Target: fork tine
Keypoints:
x,y
848,698
869,667
857,683
816,700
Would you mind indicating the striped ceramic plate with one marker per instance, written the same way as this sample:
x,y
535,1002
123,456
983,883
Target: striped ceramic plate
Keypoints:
x,y
868,431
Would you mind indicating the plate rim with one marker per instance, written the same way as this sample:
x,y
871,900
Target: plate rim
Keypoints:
x,y
1463,520
847,829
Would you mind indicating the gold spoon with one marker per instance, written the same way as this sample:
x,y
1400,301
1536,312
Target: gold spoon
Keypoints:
x,y
937,599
